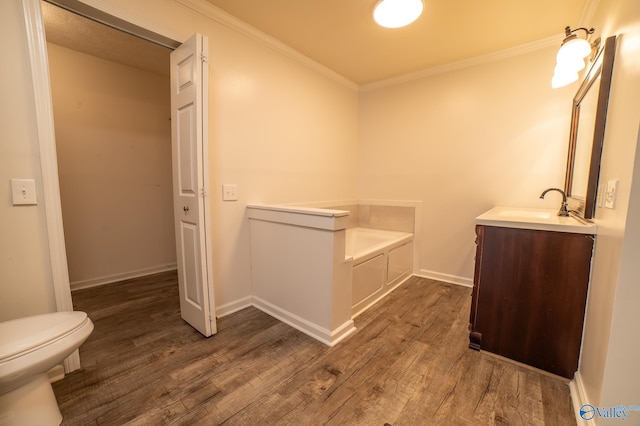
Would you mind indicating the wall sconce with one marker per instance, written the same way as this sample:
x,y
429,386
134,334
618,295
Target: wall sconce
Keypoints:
x,y
571,56
397,13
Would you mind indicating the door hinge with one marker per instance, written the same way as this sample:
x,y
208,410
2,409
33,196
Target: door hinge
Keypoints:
x,y
203,192
203,58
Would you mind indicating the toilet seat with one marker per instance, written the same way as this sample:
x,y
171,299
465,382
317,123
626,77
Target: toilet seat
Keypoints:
x,y
29,348
23,335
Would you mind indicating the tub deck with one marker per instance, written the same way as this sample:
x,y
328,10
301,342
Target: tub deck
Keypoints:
x,y
364,243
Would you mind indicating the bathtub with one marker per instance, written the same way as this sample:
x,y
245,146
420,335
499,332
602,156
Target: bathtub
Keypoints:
x,y
382,260
313,272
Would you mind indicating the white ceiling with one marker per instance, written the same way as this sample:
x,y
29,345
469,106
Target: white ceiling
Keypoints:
x,y
341,34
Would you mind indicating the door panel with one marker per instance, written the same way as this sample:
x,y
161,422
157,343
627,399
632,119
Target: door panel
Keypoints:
x,y
192,291
189,74
187,151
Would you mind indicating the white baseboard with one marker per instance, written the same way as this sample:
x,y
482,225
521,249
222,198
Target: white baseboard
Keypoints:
x,y
95,282
451,279
578,399
235,306
328,337
321,334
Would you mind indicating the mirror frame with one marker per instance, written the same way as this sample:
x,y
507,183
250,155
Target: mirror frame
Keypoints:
x,y
603,68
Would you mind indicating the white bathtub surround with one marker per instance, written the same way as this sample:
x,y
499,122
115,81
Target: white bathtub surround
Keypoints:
x,y
378,216
300,274
382,260
315,272
390,215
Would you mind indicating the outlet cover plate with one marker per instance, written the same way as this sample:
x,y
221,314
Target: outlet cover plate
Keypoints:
x,y
610,194
229,192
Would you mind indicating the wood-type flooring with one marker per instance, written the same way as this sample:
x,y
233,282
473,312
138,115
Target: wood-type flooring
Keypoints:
x,y
407,364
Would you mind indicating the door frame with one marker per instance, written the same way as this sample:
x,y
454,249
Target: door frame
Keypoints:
x,y
38,56
49,163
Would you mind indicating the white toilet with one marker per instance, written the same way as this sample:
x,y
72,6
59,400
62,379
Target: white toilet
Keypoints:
x,y
29,348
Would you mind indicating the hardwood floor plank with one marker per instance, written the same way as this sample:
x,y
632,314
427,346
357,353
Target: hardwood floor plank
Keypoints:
x,y
555,401
337,377
407,364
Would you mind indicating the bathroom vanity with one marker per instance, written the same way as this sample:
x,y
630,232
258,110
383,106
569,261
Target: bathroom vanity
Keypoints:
x,y
530,287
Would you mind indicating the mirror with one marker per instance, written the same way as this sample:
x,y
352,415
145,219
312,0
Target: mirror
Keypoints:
x,y
588,118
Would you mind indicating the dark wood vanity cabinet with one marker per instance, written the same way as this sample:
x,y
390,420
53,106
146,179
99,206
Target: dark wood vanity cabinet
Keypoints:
x,y
529,296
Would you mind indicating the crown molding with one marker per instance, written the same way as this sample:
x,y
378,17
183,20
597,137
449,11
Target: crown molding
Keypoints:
x,y
220,16
588,11
226,19
466,63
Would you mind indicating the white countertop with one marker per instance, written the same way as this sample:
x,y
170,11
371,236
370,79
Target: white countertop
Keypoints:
x,y
538,219
313,211
309,217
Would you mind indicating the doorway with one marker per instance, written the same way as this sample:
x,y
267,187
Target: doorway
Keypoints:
x,y
47,148
111,109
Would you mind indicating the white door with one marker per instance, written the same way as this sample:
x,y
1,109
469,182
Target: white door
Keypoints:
x,y
189,94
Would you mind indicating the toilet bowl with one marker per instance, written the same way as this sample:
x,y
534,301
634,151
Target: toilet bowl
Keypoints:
x,y
29,348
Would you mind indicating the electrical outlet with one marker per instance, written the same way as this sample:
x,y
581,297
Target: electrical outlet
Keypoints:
x,y
229,192
610,195
23,192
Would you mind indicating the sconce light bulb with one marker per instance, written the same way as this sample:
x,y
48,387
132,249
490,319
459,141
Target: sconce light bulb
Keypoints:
x,y
573,49
561,80
569,66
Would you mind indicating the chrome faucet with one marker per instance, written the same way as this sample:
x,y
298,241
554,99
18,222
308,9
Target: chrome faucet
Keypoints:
x,y
563,208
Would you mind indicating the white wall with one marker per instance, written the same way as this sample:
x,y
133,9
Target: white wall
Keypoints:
x,y
488,134
283,133
622,370
609,368
496,134
462,142
279,129
26,283
113,137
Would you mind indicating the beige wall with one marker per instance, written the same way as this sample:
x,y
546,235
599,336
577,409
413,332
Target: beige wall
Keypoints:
x,y
461,142
113,137
282,133
26,284
470,139
489,134
609,367
278,129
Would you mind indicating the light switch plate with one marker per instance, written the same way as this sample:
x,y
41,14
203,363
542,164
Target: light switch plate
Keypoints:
x,y
610,194
23,192
229,192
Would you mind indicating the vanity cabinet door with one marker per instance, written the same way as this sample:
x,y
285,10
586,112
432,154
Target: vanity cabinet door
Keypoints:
x,y
529,296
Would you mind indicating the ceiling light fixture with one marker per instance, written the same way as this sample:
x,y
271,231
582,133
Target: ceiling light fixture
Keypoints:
x,y
397,13
571,56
